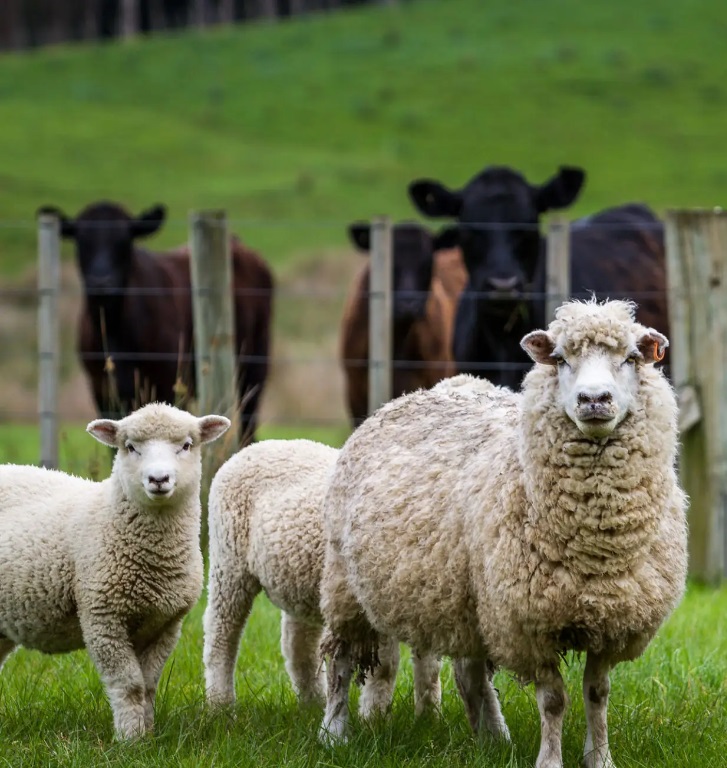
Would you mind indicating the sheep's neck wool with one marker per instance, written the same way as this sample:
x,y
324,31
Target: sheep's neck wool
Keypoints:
x,y
595,506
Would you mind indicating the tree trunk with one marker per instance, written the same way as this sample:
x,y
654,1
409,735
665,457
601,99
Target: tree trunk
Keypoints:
x,y
129,18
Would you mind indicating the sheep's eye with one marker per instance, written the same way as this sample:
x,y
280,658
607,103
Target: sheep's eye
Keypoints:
x,y
559,360
130,448
631,359
187,445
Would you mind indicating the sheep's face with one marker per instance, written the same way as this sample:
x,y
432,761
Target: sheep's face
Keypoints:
x,y
598,374
158,459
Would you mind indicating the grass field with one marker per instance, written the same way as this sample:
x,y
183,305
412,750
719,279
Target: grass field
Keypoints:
x,y
667,709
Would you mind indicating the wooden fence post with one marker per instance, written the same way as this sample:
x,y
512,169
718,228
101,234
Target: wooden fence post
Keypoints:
x,y
557,266
49,255
696,245
380,306
214,329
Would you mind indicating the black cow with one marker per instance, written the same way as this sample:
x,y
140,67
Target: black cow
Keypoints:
x,y
135,332
618,253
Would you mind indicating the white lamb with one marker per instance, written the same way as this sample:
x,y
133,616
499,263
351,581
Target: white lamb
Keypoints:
x,y
112,566
506,529
266,533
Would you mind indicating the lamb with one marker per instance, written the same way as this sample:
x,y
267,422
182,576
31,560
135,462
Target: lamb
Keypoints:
x,y
505,529
265,524
112,566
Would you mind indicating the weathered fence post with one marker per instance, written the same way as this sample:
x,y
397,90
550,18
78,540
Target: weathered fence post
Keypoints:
x,y
696,246
557,266
49,256
214,329
380,306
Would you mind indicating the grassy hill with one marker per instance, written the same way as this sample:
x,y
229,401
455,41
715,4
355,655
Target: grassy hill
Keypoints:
x,y
297,128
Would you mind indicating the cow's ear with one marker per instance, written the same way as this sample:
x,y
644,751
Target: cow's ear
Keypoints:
x,y
434,199
360,234
561,190
446,238
149,221
67,226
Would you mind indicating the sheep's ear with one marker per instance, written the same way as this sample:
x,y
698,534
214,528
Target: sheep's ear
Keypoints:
x,y
539,346
104,430
211,427
652,345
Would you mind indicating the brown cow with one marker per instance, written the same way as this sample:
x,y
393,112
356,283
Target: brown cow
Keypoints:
x,y
135,332
422,314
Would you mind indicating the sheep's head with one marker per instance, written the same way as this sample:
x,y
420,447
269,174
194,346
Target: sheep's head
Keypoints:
x,y
597,350
158,450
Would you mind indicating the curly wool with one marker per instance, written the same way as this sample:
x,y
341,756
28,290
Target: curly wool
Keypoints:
x,y
501,530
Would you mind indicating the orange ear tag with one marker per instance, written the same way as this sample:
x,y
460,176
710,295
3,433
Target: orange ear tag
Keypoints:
x,y
658,357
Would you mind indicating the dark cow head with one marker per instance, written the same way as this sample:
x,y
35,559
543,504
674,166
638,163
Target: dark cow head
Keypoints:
x,y
104,234
498,213
413,249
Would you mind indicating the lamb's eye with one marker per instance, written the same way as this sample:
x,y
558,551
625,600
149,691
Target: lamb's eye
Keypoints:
x,y
130,448
186,445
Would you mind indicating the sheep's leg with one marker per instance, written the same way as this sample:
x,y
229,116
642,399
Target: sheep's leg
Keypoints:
x,y
6,646
152,661
111,650
427,686
552,700
474,683
596,687
338,680
378,688
230,601
300,644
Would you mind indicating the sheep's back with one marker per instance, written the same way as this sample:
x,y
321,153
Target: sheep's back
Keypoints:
x,y
266,503
396,512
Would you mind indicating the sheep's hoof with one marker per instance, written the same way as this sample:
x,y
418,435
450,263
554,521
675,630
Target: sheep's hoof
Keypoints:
x,y
332,736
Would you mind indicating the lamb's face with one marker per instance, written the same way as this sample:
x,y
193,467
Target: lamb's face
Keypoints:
x,y
597,358
158,459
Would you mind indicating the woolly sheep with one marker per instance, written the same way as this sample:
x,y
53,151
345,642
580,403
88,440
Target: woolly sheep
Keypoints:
x,y
506,529
111,566
265,524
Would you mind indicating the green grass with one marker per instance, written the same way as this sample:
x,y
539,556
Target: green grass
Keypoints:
x,y
666,709
298,128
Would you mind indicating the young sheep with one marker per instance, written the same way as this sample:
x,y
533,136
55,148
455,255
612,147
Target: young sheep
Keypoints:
x,y
112,566
506,529
265,523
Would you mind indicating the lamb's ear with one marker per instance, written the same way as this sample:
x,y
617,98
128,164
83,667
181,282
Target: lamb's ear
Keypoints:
x,y
149,221
434,199
540,347
652,345
104,430
360,234
211,427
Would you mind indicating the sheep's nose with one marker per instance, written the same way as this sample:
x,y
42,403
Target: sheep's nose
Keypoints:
x,y
600,398
159,479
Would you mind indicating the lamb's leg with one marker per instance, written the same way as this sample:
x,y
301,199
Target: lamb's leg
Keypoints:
x,y
378,688
300,643
552,700
110,648
152,660
338,681
6,646
474,683
596,687
427,686
230,600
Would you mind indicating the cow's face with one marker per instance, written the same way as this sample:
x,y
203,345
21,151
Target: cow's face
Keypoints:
x,y
498,213
104,234
412,255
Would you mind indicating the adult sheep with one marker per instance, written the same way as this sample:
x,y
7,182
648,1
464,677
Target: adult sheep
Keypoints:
x,y
617,253
266,533
426,285
135,338
523,526
112,566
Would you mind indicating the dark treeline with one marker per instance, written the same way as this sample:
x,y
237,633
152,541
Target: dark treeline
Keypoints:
x,y
31,23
